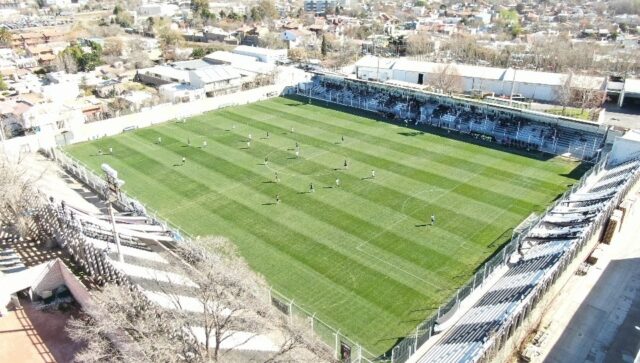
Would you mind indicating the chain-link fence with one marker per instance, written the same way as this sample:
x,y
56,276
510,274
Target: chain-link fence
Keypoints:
x,y
125,202
403,350
344,349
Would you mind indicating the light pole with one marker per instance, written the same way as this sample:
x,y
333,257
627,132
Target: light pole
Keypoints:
x,y
113,194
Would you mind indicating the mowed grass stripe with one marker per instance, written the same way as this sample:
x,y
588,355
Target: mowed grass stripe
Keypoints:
x,y
266,195
446,158
383,195
508,163
348,308
379,162
280,157
301,248
353,225
298,246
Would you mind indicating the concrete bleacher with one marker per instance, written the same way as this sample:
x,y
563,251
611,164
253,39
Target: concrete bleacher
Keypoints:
x,y
538,259
10,261
511,131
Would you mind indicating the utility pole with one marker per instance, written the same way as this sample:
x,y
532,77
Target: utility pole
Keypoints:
x,y
113,194
513,85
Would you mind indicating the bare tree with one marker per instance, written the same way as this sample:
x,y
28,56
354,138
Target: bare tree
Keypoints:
x,y
232,309
65,62
563,94
420,45
446,79
17,197
137,56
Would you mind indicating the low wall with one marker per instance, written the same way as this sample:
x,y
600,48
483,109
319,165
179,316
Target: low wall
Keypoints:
x,y
167,112
16,147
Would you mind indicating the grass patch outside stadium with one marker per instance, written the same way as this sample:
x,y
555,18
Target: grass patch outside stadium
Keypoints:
x,y
362,255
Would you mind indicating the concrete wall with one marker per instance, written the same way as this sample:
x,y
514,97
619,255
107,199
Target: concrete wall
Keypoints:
x,y
539,92
16,147
626,147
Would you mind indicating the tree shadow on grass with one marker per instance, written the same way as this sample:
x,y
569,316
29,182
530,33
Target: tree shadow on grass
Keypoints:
x,y
415,133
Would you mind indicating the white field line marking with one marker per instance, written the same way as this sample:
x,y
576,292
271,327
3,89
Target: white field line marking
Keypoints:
x,y
445,192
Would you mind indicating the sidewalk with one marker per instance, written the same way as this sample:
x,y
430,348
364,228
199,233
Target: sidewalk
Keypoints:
x,y
593,319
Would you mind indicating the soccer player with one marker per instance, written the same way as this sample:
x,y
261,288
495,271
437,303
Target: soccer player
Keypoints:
x,y
189,141
266,160
204,144
111,150
292,130
248,144
311,189
297,154
249,136
277,178
373,174
337,182
346,165
297,146
99,151
433,219
277,198
267,134
159,140
184,160
342,137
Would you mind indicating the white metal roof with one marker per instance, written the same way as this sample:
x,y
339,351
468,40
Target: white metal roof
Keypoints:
x,y
167,72
216,73
260,51
371,61
489,73
229,57
632,85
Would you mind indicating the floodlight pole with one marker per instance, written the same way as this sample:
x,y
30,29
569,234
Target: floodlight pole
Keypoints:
x,y
113,192
116,237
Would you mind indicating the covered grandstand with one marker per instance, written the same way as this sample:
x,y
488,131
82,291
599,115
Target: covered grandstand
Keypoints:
x,y
508,126
484,313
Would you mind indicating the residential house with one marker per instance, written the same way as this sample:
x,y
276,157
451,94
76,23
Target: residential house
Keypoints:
x,y
27,39
109,88
295,38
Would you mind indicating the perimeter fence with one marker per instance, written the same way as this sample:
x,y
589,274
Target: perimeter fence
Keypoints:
x,y
345,349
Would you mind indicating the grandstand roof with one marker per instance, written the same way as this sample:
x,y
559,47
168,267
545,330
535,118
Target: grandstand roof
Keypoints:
x,y
632,85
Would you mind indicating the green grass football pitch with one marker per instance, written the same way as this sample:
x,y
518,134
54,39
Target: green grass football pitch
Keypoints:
x,y
361,255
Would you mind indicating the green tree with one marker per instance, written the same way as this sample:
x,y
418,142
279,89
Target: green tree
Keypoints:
x,y
5,36
201,7
324,47
85,61
265,9
198,52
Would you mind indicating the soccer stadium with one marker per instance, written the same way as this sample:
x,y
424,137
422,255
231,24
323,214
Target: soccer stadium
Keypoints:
x,y
380,212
